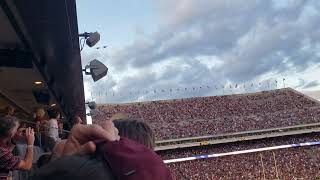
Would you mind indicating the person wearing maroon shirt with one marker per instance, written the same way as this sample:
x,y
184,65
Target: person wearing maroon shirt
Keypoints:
x,y
9,162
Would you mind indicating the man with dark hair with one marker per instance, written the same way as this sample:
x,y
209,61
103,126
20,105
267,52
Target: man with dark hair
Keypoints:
x,y
9,162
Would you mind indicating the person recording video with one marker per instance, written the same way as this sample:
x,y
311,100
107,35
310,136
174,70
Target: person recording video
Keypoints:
x,y
8,162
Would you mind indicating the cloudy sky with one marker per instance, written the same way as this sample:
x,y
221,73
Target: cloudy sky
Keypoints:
x,y
163,49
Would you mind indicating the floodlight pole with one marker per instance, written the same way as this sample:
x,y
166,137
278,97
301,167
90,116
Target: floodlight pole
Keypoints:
x,y
85,34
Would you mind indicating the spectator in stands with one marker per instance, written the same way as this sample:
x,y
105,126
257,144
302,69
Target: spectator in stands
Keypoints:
x,y
40,115
52,129
9,162
40,121
136,130
62,133
9,111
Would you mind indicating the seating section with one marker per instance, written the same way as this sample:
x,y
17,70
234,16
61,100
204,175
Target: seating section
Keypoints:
x,y
299,163
200,116
292,163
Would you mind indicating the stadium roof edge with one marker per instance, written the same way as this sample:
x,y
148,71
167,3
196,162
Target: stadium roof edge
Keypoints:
x,y
169,100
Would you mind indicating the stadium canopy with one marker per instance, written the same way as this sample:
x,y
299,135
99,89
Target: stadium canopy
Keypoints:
x,y
40,63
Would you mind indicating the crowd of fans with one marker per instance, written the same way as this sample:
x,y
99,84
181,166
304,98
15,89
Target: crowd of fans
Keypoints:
x,y
294,163
221,114
89,152
227,114
237,146
23,141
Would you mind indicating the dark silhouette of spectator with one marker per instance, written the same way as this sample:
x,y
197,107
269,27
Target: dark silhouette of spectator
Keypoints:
x,y
44,159
9,111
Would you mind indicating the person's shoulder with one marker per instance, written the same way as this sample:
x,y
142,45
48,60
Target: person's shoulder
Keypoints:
x,y
5,152
3,149
51,121
75,167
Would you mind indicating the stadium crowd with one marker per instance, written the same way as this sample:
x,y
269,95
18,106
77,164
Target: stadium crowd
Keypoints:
x,y
237,146
296,163
220,114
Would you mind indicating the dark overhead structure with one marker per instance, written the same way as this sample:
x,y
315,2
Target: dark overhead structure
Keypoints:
x,y
15,58
49,39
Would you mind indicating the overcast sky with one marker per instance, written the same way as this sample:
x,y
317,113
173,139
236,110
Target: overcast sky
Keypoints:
x,y
161,49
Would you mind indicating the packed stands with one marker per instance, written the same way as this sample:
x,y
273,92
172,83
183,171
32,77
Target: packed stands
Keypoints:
x,y
221,115
300,163
237,146
293,163
201,116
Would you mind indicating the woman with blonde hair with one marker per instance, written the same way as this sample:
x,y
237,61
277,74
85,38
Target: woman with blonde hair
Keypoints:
x,y
40,121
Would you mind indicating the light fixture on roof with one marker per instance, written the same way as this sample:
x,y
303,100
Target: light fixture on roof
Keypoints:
x,y
38,82
91,39
92,106
96,69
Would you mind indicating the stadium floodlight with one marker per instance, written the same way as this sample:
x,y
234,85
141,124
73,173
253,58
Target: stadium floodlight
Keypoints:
x,y
91,104
97,70
91,38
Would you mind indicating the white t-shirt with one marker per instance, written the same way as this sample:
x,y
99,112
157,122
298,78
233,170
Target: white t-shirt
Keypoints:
x,y
52,129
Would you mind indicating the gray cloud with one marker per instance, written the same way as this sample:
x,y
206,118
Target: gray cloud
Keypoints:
x,y
249,38
312,84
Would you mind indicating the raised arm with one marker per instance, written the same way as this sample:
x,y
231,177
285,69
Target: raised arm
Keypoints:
x,y
26,164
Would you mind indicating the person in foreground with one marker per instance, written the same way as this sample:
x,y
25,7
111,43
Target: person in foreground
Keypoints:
x,y
98,152
9,162
136,130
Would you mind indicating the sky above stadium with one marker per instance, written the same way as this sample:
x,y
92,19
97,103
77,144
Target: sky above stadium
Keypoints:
x,y
165,49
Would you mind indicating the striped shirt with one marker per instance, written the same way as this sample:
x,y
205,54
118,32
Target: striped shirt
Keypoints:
x,y
8,162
